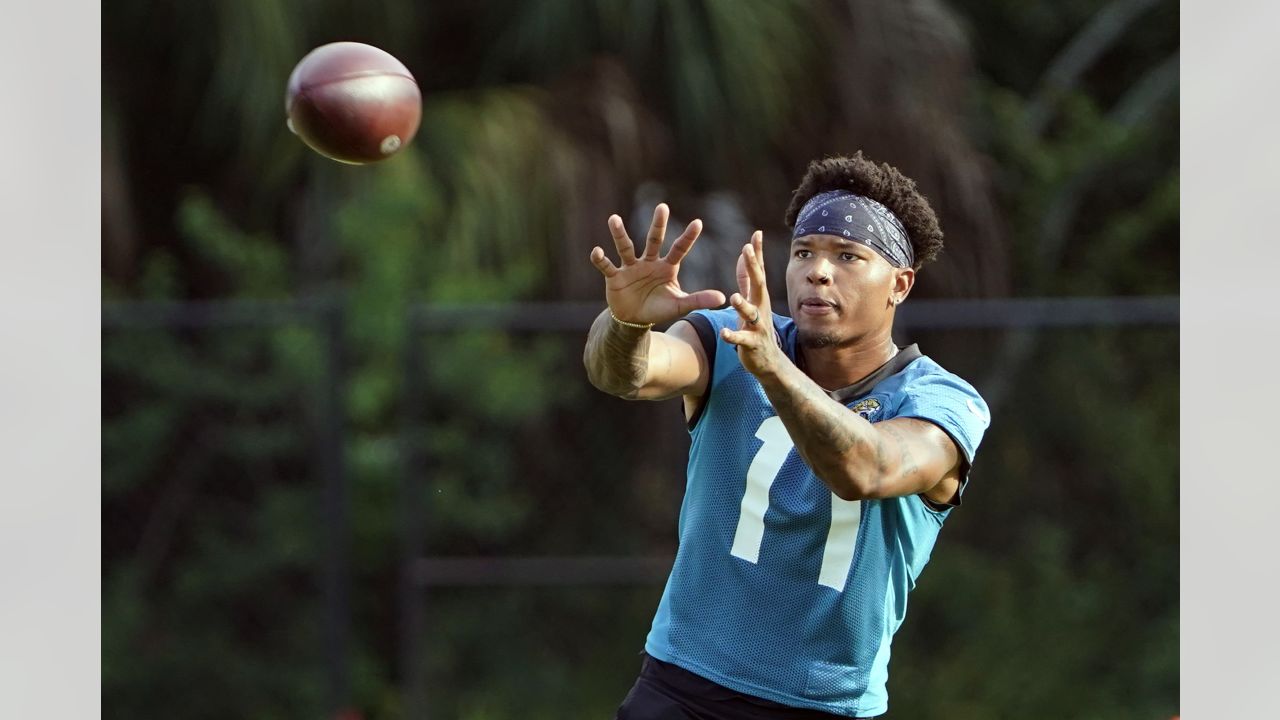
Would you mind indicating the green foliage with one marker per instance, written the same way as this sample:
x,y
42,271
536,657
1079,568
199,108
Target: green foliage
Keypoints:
x,y
211,540
245,402
1054,591
725,72
489,660
254,264
1069,607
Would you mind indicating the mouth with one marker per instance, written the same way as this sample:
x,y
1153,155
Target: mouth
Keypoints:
x,y
817,306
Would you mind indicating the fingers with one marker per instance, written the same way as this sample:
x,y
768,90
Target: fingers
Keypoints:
x,y
754,256
621,241
701,300
657,231
684,243
741,338
744,280
748,311
602,263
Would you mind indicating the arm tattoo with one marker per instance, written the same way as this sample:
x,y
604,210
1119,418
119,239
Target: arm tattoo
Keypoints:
x,y
617,357
824,431
906,460
844,450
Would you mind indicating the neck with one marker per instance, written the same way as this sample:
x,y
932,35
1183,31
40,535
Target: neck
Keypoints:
x,y
836,366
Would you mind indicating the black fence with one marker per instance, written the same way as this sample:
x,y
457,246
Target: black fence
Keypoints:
x,y
552,333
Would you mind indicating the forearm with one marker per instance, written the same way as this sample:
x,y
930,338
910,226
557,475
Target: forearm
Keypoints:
x,y
841,447
617,357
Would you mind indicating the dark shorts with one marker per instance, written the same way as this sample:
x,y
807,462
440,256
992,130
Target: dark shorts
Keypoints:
x,y
669,692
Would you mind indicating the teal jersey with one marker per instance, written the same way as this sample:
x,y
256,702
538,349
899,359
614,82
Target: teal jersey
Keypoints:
x,y
780,589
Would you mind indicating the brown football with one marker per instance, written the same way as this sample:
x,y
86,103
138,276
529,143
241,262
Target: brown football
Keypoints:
x,y
352,102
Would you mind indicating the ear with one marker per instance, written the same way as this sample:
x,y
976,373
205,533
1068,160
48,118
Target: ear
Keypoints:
x,y
903,280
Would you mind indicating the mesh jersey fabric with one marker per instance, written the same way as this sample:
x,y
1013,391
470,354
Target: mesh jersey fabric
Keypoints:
x,y
780,589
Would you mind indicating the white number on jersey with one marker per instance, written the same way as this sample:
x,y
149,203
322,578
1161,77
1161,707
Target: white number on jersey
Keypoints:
x,y
846,515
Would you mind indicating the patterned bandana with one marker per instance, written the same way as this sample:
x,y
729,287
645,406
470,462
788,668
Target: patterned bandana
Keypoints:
x,y
862,220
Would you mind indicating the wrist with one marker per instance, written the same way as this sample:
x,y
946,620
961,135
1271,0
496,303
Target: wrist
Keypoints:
x,y
771,373
642,327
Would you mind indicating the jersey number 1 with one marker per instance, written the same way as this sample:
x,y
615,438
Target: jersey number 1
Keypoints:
x,y
842,538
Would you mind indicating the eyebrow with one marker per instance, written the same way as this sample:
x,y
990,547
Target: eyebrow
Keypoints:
x,y
842,243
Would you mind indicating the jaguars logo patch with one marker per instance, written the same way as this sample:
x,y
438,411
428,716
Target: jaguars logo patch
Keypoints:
x,y
866,408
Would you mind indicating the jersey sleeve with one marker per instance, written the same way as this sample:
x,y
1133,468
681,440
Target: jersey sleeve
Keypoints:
x,y
708,337
708,324
722,356
953,405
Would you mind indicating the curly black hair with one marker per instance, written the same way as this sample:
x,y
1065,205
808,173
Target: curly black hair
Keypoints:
x,y
883,183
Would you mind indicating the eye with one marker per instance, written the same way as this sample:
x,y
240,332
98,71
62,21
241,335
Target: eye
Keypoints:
x,y
802,254
848,256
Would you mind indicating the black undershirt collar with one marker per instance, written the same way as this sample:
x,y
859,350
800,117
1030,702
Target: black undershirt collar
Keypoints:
x,y
892,366
787,340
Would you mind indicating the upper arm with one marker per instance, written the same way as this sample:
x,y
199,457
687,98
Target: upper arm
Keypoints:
x,y
912,456
677,364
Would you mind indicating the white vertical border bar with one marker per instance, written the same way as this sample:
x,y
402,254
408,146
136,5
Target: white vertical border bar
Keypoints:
x,y
50,408
1230,174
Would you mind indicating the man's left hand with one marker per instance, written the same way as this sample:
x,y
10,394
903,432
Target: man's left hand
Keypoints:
x,y
757,344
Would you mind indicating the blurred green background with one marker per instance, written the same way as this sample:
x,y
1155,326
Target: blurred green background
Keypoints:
x,y
265,394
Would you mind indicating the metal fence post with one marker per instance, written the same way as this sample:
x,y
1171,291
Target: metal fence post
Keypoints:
x,y
336,570
411,609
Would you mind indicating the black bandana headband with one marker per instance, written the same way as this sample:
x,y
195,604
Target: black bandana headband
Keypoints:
x,y
861,219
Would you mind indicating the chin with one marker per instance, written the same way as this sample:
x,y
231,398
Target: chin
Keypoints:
x,y
816,339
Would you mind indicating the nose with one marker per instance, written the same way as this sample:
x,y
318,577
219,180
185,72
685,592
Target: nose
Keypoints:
x,y
819,272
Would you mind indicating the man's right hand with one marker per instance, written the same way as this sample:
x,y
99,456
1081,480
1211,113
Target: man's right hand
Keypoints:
x,y
645,289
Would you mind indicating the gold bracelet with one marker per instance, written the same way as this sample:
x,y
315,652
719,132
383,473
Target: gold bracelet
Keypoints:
x,y
639,326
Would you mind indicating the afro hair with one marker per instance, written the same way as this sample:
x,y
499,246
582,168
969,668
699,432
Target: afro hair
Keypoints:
x,y
883,183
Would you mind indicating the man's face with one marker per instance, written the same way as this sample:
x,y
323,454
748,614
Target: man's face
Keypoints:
x,y
839,291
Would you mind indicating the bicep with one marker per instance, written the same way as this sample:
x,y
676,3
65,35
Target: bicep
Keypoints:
x,y
677,364
914,456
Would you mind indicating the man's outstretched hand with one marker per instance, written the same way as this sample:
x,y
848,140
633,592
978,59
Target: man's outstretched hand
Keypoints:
x,y
755,339
645,289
